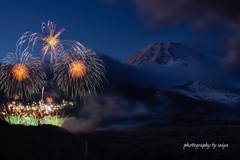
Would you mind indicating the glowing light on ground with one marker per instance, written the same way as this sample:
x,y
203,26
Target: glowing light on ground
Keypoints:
x,y
34,114
49,99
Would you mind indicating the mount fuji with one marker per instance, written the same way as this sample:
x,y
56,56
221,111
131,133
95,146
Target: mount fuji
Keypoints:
x,y
167,53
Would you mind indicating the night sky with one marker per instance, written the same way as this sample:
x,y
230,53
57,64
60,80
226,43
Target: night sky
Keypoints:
x,y
119,28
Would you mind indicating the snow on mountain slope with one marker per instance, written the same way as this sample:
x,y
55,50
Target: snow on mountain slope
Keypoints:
x,y
209,92
165,53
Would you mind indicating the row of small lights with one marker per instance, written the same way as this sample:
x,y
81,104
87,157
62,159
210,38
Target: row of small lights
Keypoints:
x,y
41,107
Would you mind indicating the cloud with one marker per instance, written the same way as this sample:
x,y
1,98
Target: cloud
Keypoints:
x,y
157,13
108,111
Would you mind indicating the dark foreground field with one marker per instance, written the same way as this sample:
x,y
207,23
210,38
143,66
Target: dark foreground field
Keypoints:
x,y
50,142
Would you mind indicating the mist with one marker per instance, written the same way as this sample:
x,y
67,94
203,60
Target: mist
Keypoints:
x,y
108,111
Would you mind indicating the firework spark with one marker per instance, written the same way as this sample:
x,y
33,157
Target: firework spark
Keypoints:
x,y
21,73
51,44
78,73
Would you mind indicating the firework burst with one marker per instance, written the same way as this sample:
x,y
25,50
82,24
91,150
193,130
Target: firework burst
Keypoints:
x,y
21,75
50,43
77,69
77,73
20,71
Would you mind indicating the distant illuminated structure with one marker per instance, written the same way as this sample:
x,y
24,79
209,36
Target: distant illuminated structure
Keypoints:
x,y
86,149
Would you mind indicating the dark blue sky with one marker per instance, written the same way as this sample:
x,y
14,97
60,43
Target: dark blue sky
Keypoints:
x,y
117,28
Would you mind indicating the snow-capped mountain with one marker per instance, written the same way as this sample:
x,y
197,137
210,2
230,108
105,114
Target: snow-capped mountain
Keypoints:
x,y
165,53
207,92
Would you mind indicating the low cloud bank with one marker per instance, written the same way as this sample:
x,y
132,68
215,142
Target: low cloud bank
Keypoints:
x,y
108,111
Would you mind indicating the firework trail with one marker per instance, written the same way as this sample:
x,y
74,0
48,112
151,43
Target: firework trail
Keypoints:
x,y
21,75
50,44
77,73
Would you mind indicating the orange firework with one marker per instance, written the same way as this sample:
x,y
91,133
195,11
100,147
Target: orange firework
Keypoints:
x,y
20,71
79,73
21,76
77,69
49,99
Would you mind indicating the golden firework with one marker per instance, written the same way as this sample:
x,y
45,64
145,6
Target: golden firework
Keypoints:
x,y
20,71
51,41
77,69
